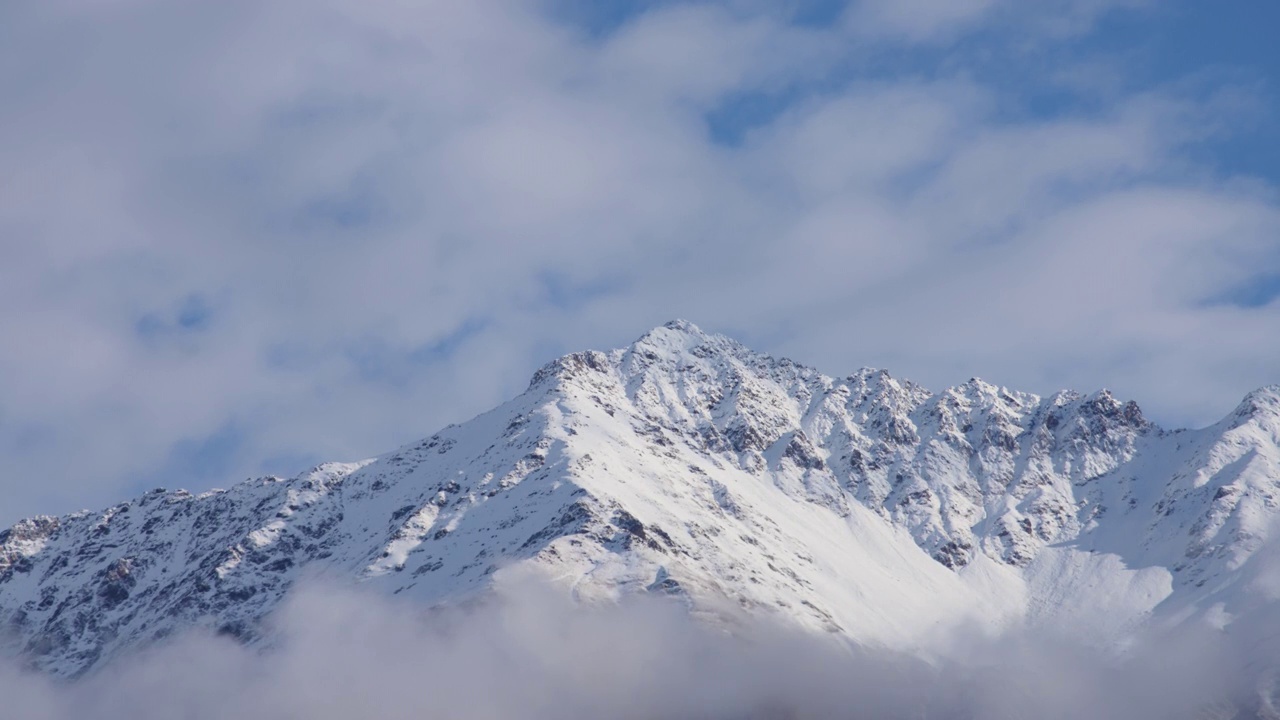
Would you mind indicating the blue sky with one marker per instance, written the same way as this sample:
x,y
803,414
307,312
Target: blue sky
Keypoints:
x,y
241,238
1227,42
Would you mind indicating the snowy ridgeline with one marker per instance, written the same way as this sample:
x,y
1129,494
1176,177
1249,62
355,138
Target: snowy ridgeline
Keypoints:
x,y
688,466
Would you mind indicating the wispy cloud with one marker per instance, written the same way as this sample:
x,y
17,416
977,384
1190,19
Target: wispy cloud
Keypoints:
x,y
337,226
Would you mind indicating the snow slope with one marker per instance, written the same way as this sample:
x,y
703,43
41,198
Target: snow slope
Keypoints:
x,y
690,466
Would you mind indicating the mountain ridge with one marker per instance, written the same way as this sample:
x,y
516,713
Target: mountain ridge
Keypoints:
x,y
689,465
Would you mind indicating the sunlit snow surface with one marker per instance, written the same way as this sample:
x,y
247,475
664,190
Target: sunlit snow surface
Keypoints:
x,y
688,466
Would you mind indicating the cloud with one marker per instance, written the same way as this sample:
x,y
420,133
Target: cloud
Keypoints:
x,y
529,653
942,21
918,19
334,226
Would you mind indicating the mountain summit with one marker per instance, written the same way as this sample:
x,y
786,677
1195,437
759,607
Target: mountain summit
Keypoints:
x,y
691,466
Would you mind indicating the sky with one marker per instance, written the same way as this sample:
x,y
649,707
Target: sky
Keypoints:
x,y
239,238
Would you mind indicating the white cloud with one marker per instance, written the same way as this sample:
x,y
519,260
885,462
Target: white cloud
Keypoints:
x,y
344,183
531,654
942,21
917,20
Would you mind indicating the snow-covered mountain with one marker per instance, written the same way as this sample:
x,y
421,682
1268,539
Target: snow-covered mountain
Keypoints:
x,y
690,466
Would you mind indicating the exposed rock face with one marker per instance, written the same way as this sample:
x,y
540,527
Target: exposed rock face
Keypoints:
x,y
688,465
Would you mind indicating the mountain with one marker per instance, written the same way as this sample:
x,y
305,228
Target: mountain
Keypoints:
x,y
690,466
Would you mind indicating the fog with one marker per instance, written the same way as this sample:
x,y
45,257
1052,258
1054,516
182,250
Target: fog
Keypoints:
x,y
530,653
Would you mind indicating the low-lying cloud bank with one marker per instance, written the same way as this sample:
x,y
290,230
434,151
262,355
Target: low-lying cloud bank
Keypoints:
x,y
531,654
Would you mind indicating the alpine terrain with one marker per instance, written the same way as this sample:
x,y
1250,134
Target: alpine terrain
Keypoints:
x,y
689,466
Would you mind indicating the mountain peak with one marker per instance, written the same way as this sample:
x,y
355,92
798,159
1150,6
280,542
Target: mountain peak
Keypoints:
x,y
681,342
570,366
1264,402
678,335
670,347
689,464
683,326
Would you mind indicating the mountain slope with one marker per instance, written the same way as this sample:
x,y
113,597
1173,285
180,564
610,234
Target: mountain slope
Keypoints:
x,y
688,465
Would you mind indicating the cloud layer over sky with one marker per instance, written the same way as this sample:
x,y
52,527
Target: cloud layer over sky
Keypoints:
x,y
242,237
